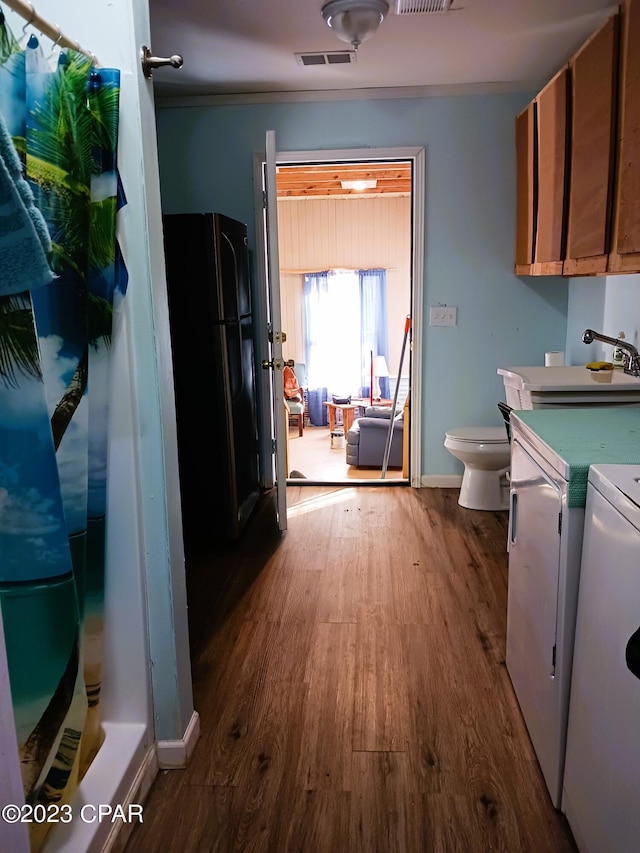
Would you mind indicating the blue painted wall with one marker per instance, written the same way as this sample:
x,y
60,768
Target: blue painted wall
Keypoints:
x,y
206,161
607,304
585,310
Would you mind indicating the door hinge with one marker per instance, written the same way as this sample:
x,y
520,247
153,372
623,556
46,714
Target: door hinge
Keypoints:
x,y
559,524
553,661
264,199
277,337
273,445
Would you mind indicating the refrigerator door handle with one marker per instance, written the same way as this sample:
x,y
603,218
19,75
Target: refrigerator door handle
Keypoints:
x,y
236,277
232,333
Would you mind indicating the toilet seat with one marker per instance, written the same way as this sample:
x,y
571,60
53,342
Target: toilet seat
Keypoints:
x,y
479,435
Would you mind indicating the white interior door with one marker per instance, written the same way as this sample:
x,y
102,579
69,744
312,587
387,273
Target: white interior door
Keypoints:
x,y
275,362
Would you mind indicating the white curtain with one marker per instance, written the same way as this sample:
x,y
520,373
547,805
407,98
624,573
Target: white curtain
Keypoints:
x,y
333,332
345,321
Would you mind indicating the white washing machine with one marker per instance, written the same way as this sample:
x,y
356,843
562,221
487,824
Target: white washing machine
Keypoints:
x,y
601,795
551,452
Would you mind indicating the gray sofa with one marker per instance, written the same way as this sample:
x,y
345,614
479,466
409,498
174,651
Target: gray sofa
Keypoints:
x,y
367,438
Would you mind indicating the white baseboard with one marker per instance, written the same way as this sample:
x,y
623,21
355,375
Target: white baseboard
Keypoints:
x,y
121,774
123,770
165,755
121,832
174,754
441,481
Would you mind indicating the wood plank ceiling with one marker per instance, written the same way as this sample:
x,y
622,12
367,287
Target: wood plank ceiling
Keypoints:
x,y
325,179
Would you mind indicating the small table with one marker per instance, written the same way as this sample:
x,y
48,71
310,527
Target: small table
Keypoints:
x,y
347,410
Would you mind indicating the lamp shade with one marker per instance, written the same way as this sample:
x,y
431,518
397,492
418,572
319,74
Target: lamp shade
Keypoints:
x,y
380,366
354,21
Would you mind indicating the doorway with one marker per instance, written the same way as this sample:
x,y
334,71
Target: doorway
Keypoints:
x,y
328,225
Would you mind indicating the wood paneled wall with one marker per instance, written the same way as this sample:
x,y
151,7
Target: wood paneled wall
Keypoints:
x,y
354,233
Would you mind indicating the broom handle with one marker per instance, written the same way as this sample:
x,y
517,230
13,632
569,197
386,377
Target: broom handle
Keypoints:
x,y
387,447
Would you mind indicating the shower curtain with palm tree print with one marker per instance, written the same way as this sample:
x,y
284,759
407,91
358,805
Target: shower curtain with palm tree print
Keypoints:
x,y
58,201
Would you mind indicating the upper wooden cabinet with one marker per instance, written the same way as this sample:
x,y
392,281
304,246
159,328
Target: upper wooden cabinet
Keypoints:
x,y
578,146
594,82
541,175
552,133
625,253
526,188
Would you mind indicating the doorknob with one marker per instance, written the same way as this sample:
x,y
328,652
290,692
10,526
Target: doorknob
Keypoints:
x,y
277,363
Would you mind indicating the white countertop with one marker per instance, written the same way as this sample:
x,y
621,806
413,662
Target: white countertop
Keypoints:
x,y
574,378
572,439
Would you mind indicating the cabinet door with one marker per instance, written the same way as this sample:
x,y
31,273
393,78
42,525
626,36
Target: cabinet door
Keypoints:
x,y
552,103
594,88
526,192
626,248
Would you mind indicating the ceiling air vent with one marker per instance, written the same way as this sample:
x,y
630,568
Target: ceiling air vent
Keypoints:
x,y
332,57
422,7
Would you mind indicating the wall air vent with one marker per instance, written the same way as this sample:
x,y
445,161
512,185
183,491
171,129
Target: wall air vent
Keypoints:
x,y
331,57
422,7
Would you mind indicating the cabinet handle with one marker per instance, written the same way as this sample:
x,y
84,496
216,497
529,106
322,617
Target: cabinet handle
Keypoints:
x,y
513,514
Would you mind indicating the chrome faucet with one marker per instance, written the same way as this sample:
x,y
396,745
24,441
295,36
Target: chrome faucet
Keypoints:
x,y
632,357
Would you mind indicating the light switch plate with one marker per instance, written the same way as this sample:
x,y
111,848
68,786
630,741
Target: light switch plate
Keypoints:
x,y
443,315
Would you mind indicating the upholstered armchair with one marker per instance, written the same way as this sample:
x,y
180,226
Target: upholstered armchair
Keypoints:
x,y
295,403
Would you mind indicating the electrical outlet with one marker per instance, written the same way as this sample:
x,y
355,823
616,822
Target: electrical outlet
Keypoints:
x,y
443,315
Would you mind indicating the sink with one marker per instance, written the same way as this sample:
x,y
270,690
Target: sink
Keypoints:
x,y
535,387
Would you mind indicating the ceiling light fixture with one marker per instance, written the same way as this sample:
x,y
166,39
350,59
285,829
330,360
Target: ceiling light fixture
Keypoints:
x,y
354,21
359,186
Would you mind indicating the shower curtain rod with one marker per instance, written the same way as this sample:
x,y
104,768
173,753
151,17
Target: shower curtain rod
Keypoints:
x,y
52,31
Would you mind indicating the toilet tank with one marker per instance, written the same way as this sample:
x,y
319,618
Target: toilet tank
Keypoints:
x,y
540,387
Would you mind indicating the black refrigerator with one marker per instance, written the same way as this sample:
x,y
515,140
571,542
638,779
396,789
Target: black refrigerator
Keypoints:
x,y
212,342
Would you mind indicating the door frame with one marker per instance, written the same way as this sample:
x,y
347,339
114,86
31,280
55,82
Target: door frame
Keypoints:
x,y
275,339
417,156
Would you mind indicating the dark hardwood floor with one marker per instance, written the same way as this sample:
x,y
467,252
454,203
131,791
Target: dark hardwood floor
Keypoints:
x,y
352,690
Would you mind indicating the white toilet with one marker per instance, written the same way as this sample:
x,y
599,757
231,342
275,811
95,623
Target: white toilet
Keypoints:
x,y
486,454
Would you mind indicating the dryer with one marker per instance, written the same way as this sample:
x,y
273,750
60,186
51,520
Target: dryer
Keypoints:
x,y
602,772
